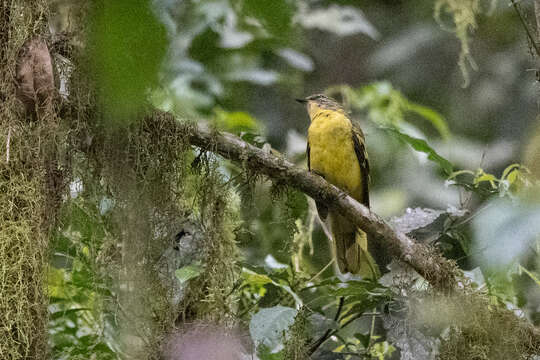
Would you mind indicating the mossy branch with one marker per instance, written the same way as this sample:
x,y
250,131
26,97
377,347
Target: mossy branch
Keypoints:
x,y
440,272
437,270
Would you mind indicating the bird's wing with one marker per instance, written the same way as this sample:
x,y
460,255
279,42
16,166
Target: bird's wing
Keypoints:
x,y
375,253
361,155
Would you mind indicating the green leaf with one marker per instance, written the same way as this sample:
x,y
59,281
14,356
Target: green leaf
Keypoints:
x,y
460,172
296,298
354,288
504,233
387,106
56,283
65,313
422,146
532,275
361,295
381,350
434,117
364,339
188,272
485,177
340,20
259,279
268,326
252,278
508,169
512,177
273,264
236,122
414,219
319,324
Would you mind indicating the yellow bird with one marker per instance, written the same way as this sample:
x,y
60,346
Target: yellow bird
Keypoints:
x,y
336,151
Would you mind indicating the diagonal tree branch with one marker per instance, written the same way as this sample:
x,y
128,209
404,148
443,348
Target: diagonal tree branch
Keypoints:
x,y
440,272
437,270
528,31
537,17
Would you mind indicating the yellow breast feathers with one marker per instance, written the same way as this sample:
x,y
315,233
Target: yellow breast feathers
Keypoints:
x,y
332,150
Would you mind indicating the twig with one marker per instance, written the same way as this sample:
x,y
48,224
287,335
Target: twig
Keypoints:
x,y
8,144
537,16
348,322
371,331
249,308
340,307
322,270
327,335
527,30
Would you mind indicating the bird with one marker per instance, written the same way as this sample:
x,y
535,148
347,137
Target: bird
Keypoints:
x,y
336,151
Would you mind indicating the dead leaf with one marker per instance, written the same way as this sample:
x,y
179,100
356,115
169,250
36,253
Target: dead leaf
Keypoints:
x,y
35,79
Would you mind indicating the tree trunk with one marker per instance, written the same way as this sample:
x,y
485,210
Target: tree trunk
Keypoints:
x,y
26,119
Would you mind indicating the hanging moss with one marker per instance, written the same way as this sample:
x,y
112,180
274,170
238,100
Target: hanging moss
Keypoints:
x,y
144,169
148,170
210,296
27,168
472,327
297,342
480,330
141,168
138,169
463,14
292,206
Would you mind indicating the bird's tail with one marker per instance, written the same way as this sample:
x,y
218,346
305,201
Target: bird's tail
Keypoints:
x,y
351,248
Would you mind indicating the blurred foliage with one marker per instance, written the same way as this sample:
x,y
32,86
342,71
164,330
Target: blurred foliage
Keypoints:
x,y
127,44
220,45
514,178
223,48
81,324
236,122
387,108
274,328
238,65
463,14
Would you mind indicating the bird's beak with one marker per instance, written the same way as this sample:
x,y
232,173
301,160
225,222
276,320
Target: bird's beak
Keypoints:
x,y
301,101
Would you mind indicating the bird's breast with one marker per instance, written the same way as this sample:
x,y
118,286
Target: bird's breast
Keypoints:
x,y
332,152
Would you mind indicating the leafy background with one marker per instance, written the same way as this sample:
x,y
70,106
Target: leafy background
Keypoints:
x,y
449,118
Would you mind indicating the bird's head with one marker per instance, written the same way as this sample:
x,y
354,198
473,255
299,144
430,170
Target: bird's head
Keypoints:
x,y
318,102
